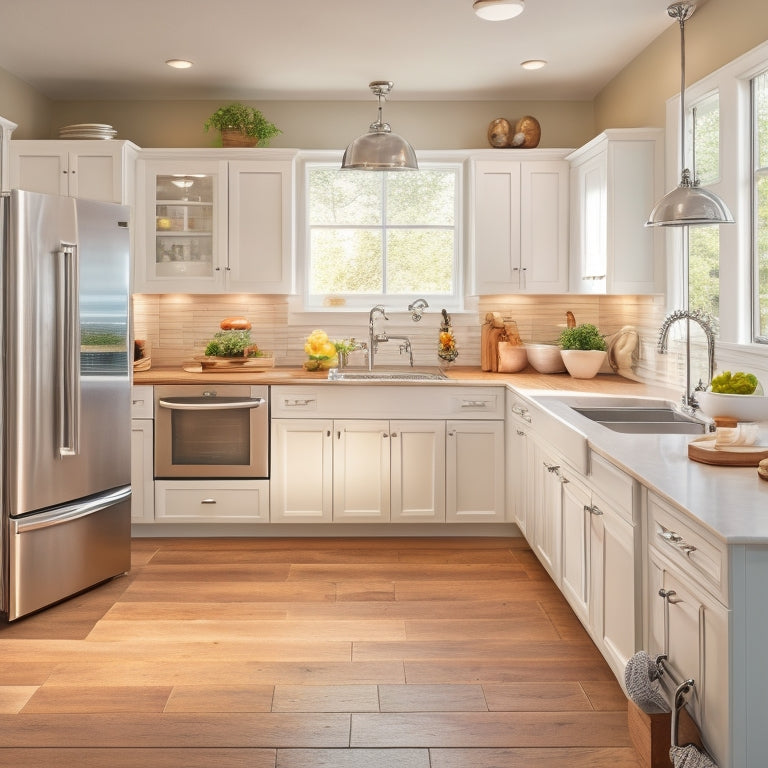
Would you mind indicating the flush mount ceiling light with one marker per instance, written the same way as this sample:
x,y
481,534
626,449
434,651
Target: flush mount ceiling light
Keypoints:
x,y
533,64
179,63
689,203
380,149
498,10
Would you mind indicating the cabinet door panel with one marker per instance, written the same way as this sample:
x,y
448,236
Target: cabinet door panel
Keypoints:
x,y
474,471
44,172
361,469
418,471
260,225
497,227
544,226
547,511
95,175
142,482
519,481
576,548
302,471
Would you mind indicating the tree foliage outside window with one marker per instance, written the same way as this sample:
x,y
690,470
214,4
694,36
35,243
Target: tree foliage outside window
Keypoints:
x,y
760,215
704,241
382,233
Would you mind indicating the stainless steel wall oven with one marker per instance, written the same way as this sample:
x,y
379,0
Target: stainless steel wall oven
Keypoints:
x,y
207,430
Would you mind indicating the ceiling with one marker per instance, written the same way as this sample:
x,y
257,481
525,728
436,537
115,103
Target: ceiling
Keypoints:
x,y
320,49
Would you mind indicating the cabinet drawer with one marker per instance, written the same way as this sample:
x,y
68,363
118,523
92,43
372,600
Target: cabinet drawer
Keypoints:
x,y
201,501
698,555
141,402
616,486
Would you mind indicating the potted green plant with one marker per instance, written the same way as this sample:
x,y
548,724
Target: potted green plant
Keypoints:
x,y
242,126
583,350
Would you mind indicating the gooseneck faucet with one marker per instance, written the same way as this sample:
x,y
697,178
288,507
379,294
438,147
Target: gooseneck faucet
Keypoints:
x,y
702,320
416,308
374,339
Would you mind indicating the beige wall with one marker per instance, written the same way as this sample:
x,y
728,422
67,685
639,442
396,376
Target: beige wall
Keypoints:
x,y
718,32
21,104
332,125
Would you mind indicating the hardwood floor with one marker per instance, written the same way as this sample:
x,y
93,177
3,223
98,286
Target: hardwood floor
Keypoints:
x,y
312,653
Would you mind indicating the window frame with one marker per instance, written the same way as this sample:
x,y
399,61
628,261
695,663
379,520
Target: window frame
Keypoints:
x,y
737,286
454,302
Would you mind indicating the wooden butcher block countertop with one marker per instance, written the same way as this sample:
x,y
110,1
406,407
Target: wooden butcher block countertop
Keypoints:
x,y
527,380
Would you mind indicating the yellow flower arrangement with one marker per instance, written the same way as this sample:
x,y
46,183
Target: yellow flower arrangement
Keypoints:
x,y
321,351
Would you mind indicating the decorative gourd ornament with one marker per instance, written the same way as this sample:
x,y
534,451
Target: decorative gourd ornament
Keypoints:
x,y
499,132
527,133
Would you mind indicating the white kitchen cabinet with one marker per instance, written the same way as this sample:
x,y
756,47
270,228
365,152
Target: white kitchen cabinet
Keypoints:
x,y
212,501
417,462
577,517
6,129
520,228
547,511
697,648
519,466
358,470
301,476
616,180
474,471
93,170
361,471
142,483
215,222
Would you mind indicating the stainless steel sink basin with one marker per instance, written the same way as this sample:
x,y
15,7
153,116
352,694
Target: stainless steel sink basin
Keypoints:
x,y
405,374
653,420
647,416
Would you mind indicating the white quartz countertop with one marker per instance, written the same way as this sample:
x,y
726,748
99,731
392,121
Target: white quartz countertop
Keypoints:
x,y
731,501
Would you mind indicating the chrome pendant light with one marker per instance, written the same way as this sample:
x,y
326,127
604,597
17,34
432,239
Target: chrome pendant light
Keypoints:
x,y
689,203
498,10
380,149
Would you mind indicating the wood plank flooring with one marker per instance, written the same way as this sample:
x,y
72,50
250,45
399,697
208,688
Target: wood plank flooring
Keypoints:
x,y
312,653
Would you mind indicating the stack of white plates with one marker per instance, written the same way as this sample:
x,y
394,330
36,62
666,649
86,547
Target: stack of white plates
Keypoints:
x,y
87,131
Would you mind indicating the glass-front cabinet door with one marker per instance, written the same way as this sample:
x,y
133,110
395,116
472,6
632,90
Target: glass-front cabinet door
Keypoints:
x,y
185,218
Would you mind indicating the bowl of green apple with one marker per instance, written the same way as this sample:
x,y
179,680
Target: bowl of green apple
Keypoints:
x,y
736,396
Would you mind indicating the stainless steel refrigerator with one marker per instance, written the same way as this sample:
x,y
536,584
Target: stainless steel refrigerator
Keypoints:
x,y
65,377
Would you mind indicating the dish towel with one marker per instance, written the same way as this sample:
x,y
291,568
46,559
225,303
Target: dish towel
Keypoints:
x,y
640,677
690,756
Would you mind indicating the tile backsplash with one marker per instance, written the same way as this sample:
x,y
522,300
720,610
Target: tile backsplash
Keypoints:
x,y
179,325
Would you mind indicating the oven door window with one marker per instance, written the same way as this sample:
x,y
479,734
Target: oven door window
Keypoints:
x,y
210,438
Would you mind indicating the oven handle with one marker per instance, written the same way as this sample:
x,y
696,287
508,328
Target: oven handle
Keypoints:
x,y
215,404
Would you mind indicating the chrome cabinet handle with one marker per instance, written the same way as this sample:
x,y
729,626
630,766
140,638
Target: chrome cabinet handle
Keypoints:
x,y
520,432
676,540
208,501
593,509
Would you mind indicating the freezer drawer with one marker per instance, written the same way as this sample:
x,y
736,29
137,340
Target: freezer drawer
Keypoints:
x,y
55,554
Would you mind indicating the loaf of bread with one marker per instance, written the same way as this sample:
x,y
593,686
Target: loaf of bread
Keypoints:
x,y
762,469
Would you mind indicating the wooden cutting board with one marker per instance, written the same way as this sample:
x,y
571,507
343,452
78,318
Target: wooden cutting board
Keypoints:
x,y
703,450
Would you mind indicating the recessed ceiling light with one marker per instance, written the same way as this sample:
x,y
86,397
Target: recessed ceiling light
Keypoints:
x,y
533,64
179,63
498,10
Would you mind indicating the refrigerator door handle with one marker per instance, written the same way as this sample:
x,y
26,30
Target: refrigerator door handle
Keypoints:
x,y
68,308
69,512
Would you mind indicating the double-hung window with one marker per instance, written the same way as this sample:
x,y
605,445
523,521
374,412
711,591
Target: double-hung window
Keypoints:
x,y
382,236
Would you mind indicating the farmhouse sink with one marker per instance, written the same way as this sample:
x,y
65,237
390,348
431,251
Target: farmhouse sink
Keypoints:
x,y
388,374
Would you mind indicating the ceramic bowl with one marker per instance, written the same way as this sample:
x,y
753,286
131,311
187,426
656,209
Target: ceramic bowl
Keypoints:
x,y
739,407
583,363
545,358
512,358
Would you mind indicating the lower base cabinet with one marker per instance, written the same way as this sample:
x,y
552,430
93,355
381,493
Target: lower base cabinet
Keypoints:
x,y
212,501
380,471
142,471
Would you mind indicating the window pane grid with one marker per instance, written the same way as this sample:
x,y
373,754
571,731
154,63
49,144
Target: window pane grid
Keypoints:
x,y
382,234
760,203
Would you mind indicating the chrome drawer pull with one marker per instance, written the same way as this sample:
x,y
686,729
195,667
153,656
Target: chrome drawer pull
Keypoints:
x,y
208,501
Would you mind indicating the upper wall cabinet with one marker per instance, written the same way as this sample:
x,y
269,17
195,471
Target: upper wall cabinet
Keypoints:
x,y
215,221
616,180
94,170
520,226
